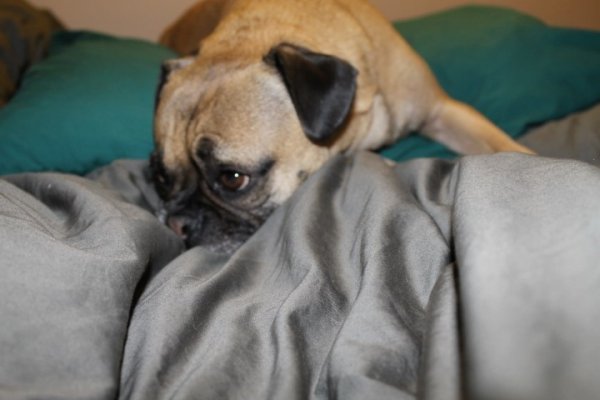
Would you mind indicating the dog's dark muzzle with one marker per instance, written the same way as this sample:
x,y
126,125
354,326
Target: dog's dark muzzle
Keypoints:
x,y
196,217
199,222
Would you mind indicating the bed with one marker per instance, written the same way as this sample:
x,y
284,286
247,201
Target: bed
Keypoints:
x,y
432,276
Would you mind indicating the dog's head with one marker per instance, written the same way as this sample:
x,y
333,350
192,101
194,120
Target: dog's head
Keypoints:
x,y
235,138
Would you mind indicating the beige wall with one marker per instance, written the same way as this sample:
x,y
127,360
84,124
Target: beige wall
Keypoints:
x,y
146,18
573,13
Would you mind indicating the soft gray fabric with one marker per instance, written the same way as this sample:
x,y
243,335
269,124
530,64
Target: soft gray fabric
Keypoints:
x,y
71,256
576,136
529,278
431,279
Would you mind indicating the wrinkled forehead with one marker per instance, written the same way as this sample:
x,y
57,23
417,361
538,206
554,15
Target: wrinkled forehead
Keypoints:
x,y
241,111
239,101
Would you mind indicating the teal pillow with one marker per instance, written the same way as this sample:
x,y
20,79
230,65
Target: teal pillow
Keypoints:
x,y
513,68
89,102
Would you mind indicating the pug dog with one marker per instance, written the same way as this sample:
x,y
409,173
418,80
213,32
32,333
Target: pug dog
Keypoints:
x,y
268,90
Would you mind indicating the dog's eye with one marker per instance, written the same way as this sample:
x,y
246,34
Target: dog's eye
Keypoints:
x,y
233,180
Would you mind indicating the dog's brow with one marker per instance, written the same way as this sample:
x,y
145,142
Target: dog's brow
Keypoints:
x,y
205,149
265,166
206,153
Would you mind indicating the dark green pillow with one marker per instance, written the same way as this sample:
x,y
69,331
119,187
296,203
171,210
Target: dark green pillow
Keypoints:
x,y
513,68
89,102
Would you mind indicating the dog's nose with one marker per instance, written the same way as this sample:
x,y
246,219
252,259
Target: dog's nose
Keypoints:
x,y
179,225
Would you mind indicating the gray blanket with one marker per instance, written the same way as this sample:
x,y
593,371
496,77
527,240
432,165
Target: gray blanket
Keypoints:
x,y
477,278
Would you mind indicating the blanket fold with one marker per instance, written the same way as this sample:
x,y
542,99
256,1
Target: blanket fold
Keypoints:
x,y
432,279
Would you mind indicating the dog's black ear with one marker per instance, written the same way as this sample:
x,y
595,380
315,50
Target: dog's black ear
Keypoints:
x,y
166,69
322,88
